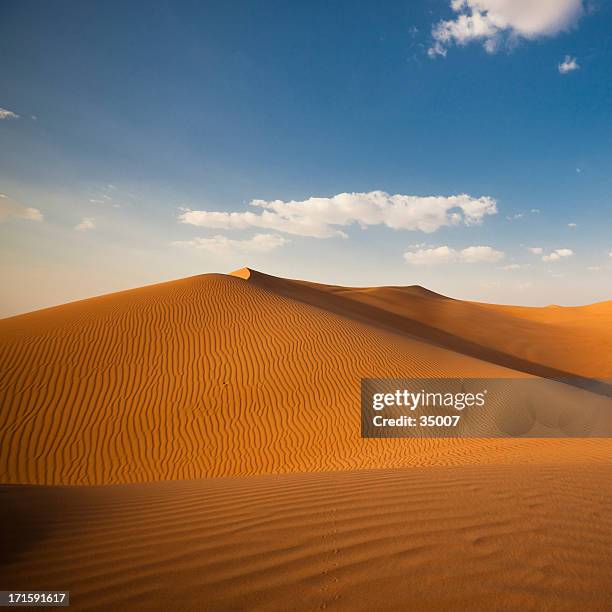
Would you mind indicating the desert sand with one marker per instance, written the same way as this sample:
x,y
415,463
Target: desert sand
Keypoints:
x,y
212,428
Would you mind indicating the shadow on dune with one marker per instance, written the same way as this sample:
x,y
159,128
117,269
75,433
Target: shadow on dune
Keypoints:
x,y
331,301
26,518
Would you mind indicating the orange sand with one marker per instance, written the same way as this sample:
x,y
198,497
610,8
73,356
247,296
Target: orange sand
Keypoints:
x,y
437,538
257,378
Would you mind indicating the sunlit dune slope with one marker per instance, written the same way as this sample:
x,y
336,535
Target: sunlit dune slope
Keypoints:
x,y
485,538
219,375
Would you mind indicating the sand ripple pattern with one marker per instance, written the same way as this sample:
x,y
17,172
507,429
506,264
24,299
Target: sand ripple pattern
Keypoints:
x,y
214,376
436,538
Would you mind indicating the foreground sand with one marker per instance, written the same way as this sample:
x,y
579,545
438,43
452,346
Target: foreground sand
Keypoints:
x,y
436,538
242,394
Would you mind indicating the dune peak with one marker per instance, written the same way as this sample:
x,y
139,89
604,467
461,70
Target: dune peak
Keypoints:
x,y
244,273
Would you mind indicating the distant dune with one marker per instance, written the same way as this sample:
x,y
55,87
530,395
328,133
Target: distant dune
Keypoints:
x,y
571,340
247,386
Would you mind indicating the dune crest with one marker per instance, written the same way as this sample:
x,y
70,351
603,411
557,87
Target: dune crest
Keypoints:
x,y
573,340
244,273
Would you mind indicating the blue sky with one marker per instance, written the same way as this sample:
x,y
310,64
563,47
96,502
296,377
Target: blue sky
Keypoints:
x,y
129,123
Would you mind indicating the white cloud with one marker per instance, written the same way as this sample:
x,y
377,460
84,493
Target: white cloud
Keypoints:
x,y
497,22
536,250
222,245
558,255
610,253
594,268
477,254
322,217
444,254
516,266
572,225
535,211
569,64
11,209
429,257
86,223
7,114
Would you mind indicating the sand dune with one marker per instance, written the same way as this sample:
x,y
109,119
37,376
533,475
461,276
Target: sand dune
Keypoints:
x,y
437,538
242,393
216,375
